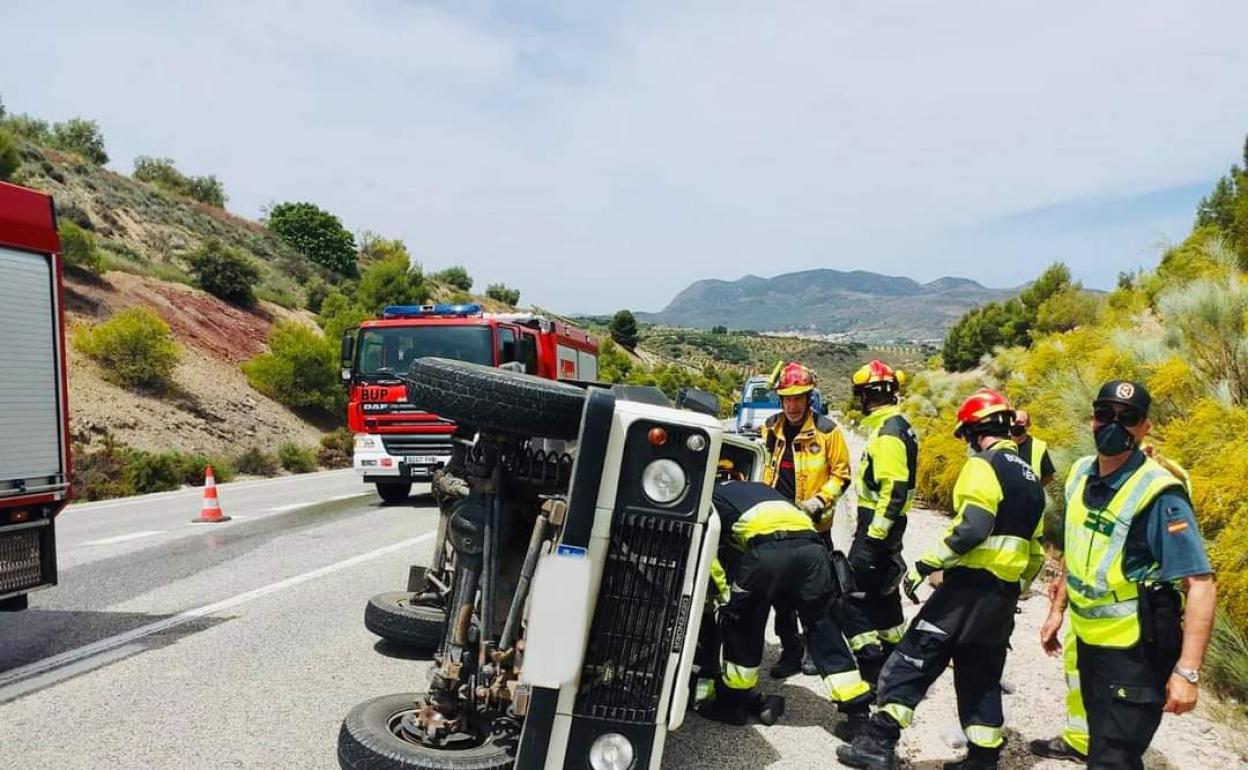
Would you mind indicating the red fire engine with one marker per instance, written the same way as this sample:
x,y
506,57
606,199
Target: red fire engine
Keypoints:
x,y
34,410
396,442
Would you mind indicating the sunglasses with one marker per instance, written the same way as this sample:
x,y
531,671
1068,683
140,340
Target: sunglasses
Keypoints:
x,y
1018,430
1127,417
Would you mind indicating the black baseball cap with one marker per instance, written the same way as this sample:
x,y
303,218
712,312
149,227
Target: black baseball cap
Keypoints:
x,y
1124,392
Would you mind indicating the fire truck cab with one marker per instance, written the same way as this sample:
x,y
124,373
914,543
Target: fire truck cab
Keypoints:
x,y
397,442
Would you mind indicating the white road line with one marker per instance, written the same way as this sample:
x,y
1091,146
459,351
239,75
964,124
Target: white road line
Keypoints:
x,y
124,538
77,654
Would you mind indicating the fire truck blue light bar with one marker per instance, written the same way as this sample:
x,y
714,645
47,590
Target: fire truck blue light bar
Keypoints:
x,y
419,311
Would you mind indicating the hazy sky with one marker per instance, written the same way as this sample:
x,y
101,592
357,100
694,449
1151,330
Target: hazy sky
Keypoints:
x,y
604,155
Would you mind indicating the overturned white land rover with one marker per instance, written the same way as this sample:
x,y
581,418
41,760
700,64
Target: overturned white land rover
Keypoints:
x,y
580,550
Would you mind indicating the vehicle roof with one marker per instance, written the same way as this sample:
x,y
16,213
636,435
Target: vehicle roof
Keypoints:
x,y
27,219
474,320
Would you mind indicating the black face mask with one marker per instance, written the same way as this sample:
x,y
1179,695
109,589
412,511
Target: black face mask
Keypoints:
x,y
1113,439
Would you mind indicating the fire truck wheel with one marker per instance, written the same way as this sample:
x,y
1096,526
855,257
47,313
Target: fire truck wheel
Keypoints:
x,y
394,492
496,399
370,739
393,617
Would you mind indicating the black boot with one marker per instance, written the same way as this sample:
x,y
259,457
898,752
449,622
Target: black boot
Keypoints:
x,y
977,758
808,666
870,661
873,748
790,662
851,725
1056,748
729,706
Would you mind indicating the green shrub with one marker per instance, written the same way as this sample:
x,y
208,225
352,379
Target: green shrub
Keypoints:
x,y
256,462
278,296
117,470
225,272
315,292
337,449
623,329
501,293
162,173
300,369
1227,661
339,313
80,136
135,349
295,458
392,281
10,158
456,277
316,234
78,247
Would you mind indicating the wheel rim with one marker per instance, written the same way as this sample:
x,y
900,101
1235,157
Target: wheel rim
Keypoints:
x,y
404,726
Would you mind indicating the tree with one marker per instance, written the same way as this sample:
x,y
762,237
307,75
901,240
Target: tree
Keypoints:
x,y
28,128
315,292
719,330
455,276
339,313
393,281
81,136
317,234
225,272
1067,309
501,293
300,369
10,159
623,328
374,248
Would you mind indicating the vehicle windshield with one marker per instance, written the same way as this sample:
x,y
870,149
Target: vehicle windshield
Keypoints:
x,y
391,350
761,394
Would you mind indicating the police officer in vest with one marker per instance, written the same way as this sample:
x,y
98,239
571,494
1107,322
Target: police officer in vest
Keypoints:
x,y
780,559
807,463
992,544
885,483
1131,545
1035,451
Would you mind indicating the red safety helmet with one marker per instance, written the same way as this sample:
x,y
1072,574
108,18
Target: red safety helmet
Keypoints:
x,y
794,380
983,407
878,376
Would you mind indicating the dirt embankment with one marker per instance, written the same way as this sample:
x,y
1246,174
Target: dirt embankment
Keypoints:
x,y
214,410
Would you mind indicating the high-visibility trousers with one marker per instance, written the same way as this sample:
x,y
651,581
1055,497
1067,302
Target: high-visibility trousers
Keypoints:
x,y
1076,732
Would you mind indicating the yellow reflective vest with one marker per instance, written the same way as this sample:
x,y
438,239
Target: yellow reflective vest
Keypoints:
x,y
820,461
1104,603
887,472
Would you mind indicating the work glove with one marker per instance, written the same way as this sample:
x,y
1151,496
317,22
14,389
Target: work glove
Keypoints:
x,y
813,507
864,562
916,577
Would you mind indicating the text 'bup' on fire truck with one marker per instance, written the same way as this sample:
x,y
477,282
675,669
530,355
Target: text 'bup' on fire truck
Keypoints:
x,y
397,442
34,411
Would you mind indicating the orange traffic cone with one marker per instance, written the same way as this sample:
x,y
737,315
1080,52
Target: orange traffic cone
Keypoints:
x,y
211,512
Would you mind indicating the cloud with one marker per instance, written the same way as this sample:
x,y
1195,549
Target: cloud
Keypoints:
x,y
605,155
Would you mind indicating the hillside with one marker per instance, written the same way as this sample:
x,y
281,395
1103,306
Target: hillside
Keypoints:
x,y
867,306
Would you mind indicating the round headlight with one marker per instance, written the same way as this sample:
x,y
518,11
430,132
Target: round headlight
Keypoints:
x,y
611,751
663,481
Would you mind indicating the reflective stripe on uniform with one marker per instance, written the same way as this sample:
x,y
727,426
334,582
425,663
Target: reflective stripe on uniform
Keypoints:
x,y
740,677
769,517
892,635
1005,556
1076,732
983,735
1124,609
865,639
845,686
902,715
703,690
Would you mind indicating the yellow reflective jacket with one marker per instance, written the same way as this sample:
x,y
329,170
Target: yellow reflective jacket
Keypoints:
x,y
820,461
999,521
888,470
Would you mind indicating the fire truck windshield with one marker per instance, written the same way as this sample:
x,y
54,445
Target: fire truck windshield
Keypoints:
x,y
391,350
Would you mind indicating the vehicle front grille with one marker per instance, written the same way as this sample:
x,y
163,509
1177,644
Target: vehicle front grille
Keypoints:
x,y
22,562
638,610
433,444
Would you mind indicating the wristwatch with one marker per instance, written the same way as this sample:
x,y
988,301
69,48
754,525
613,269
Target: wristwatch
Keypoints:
x,y
1190,674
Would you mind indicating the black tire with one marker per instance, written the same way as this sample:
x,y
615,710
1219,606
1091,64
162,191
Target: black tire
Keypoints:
x,y
393,617
366,742
497,400
394,492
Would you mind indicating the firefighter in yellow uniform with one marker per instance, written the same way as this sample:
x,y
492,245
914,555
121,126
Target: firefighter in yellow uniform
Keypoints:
x,y
1131,541
991,546
779,557
807,463
885,484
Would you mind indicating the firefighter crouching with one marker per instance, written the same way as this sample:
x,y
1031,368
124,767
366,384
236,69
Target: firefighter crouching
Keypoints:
x,y
1131,540
992,545
808,464
885,483
781,560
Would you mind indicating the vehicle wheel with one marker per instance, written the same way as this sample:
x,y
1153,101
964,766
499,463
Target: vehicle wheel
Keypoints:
x,y
370,740
496,399
394,492
393,617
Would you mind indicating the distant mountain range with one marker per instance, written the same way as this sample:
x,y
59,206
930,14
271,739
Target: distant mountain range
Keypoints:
x,y
861,304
